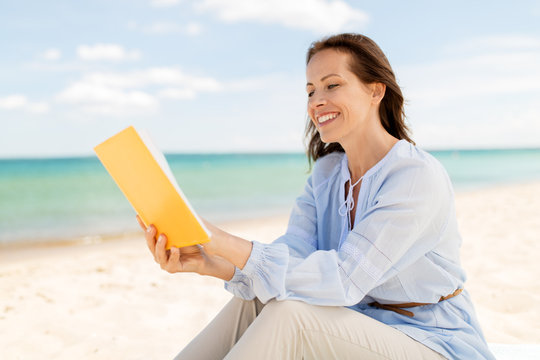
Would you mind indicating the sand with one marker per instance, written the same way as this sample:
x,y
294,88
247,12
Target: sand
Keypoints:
x,y
106,298
501,252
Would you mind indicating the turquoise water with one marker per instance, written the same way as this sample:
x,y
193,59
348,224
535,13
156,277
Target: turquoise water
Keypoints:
x,y
43,199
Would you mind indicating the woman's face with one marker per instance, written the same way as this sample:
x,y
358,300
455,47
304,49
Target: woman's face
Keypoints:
x,y
339,104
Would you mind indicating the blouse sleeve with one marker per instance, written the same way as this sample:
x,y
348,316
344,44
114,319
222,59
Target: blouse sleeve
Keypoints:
x,y
299,241
404,222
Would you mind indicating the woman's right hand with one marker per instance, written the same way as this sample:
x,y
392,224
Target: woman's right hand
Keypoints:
x,y
186,259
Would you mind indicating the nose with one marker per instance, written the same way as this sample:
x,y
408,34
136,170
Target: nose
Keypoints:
x,y
317,100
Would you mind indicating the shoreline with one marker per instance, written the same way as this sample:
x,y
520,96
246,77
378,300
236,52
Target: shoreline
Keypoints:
x,y
60,241
89,239
101,298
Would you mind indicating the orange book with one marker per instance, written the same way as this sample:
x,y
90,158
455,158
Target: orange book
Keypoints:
x,y
144,176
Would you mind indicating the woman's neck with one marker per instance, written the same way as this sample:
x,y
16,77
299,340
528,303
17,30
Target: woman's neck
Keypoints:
x,y
368,149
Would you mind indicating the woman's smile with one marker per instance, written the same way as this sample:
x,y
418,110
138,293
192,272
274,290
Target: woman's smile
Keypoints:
x,y
327,118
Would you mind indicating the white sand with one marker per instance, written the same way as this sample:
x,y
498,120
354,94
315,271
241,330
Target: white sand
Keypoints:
x,y
110,300
501,252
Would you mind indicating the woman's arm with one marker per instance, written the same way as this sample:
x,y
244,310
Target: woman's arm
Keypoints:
x,y
230,247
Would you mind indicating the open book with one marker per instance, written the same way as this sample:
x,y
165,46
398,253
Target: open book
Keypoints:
x,y
144,176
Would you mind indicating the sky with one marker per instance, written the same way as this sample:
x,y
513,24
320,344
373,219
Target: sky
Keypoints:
x,y
229,75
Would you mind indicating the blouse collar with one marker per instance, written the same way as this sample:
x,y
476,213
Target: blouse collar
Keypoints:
x,y
345,174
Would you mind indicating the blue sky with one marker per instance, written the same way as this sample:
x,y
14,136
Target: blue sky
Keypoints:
x,y
229,75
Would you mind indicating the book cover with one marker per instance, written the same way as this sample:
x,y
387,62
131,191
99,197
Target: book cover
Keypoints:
x,y
142,173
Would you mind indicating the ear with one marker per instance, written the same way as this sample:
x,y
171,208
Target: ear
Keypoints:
x,y
378,92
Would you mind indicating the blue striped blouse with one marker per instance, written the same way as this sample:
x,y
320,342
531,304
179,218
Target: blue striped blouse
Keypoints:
x,y
404,247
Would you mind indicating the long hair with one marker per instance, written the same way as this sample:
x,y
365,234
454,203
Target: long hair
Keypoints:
x,y
370,65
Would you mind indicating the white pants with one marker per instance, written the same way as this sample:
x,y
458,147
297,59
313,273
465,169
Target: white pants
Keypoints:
x,y
296,330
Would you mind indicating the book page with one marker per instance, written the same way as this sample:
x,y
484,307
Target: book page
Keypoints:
x,y
162,162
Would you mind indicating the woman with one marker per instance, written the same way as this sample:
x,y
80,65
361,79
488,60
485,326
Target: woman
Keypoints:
x,y
369,266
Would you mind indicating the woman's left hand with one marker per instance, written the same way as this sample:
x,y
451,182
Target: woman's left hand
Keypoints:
x,y
217,258
186,259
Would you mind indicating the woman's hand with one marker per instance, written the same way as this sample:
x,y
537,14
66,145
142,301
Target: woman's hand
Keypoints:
x,y
186,259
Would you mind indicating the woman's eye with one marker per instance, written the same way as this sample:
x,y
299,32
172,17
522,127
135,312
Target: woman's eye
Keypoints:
x,y
331,86
310,93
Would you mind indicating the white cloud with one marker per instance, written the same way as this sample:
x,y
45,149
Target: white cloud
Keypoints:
x,y
177,94
13,102
319,16
51,54
100,98
107,52
129,92
20,102
41,107
162,28
164,3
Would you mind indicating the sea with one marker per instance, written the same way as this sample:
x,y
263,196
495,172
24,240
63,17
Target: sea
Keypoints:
x,y
62,199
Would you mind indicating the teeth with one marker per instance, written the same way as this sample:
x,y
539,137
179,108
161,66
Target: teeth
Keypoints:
x,y
327,117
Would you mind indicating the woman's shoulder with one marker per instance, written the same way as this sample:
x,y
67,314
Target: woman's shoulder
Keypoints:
x,y
409,158
416,177
410,166
327,166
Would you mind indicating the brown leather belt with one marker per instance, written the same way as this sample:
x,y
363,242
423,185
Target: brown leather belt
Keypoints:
x,y
399,308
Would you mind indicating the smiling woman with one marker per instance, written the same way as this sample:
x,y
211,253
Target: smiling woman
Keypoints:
x,y
369,65
369,266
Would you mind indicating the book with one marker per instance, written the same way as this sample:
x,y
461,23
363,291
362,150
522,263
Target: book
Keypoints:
x,y
142,173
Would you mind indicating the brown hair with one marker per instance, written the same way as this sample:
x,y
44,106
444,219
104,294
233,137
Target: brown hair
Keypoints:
x,y
370,65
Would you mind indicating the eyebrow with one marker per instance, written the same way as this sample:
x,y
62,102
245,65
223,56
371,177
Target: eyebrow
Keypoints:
x,y
324,78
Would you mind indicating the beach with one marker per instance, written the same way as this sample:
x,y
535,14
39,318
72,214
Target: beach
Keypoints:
x,y
104,298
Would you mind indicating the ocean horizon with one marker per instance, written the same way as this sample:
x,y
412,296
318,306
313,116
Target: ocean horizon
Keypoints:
x,y
57,199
